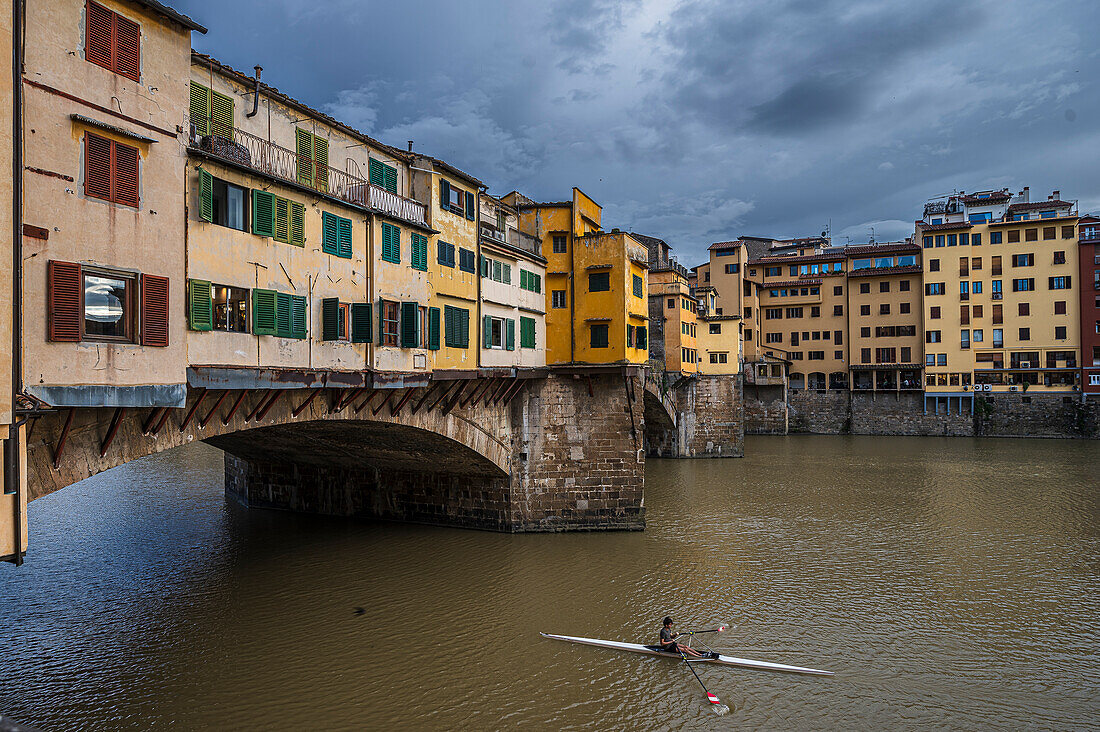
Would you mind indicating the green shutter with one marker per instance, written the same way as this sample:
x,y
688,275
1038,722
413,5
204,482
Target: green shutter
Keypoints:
x,y
200,108
538,283
390,183
343,238
471,206
487,331
282,315
221,114
507,273
282,220
410,312
263,312
526,332
304,142
329,233
206,196
444,194
375,173
297,224
510,334
263,213
320,158
330,319
448,325
381,321
433,329
464,326
484,266
298,316
361,322
200,305
419,257
391,243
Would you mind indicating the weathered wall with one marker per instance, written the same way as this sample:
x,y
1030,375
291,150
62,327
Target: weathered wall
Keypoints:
x,y
711,417
1037,415
903,414
765,410
822,413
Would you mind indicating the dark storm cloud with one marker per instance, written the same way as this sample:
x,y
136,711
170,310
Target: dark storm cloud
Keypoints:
x,y
699,120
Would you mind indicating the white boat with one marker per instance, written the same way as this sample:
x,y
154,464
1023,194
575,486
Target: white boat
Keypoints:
x,y
654,651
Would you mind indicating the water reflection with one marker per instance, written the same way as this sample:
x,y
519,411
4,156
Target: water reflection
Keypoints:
x,y
949,583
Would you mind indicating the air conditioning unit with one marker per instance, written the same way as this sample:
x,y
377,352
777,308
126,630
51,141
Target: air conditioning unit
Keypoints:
x,y
997,295
1013,388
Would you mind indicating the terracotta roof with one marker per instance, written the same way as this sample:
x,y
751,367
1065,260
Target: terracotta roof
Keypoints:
x,y
944,227
724,245
896,246
974,199
171,14
1039,205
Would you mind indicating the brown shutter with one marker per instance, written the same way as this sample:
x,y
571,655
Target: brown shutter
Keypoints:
x,y
126,174
154,310
97,42
128,48
64,292
97,166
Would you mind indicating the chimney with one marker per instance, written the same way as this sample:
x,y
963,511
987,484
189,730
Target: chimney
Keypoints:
x,y
410,145
1056,196
1026,193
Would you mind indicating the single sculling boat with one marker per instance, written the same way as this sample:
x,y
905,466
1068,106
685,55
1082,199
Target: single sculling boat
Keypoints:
x,y
711,658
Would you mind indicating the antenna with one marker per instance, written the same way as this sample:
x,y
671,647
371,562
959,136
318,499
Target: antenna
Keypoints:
x,y
872,239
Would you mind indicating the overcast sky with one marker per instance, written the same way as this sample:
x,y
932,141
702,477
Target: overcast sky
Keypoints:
x,y
701,120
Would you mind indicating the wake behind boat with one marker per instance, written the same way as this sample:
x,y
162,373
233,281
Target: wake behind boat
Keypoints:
x,y
655,651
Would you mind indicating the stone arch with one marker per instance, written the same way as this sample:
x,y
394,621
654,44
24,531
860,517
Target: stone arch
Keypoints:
x,y
660,422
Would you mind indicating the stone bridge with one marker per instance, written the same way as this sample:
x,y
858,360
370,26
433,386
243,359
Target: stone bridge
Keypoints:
x,y
694,416
547,450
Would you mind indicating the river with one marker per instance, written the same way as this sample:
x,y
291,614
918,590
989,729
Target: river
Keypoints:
x,y
949,583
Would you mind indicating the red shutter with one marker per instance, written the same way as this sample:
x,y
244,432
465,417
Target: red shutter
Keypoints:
x,y
126,174
154,310
97,166
97,40
64,293
128,48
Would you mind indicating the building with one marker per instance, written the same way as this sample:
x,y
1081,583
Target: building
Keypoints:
x,y
998,276
291,261
13,500
672,311
596,291
1088,252
513,305
720,344
885,335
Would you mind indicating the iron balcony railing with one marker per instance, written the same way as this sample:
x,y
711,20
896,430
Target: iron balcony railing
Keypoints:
x,y
244,148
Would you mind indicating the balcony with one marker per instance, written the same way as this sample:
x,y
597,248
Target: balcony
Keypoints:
x,y
1089,235
247,150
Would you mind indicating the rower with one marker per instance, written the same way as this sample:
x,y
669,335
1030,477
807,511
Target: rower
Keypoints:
x,y
668,641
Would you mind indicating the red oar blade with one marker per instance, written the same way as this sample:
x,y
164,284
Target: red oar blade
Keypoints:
x,y
712,698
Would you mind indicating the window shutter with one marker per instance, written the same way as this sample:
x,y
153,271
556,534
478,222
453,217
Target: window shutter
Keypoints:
x,y
381,321
128,48
200,108
283,327
510,335
448,325
433,329
282,220
409,330
361,322
304,141
343,243
263,312
126,174
471,206
328,233
298,316
507,272
484,266
464,325
206,196
97,165
320,168
97,41
330,317
641,336
297,224
390,180
65,293
487,331
221,113
154,310
444,194
263,213
200,305
375,173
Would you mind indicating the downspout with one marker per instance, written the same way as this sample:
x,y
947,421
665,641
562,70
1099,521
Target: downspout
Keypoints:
x,y
12,477
256,96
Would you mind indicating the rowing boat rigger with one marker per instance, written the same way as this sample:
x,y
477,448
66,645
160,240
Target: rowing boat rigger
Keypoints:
x,y
655,651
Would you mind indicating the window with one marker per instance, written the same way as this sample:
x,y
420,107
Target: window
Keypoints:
x,y
964,290
794,339
748,311
230,309
884,286
864,287
815,355
794,312
456,200
466,259
732,268
599,282
815,311
526,332
886,355
1059,257
865,332
933,265
864,309
335,317
638,287
336,237
930,360
222,203
445,253
1025,334
927,242
557,299
382,175
1050,232
211,112
718,358
1023,260
1060,307
113,42
706,276
906,354
530,281
1013,236
773,271
941,359
865,355
671,303
1059,332
903,286
884,309
598,335
500,333
312,159
1023,285
773,337
964,338
932,336
940,240
998,338
1031,235
110,170
559,244
1023,309
748,334
998,314
995,237
979,334
1059,283
977,311
419,251
391,243
903,308
715,328
456,322
391,314
108,306
934,313
773,313
838,310
838,337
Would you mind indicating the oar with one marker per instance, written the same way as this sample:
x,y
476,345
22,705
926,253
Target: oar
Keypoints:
x,y
719,629
710,697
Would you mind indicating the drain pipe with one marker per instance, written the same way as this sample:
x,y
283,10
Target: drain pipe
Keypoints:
x,y
12,475
256,96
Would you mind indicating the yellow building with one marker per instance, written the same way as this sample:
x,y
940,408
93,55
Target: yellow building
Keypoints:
x,y
451,198
720,344
294,259
596,289
886,338
672,311
999,294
